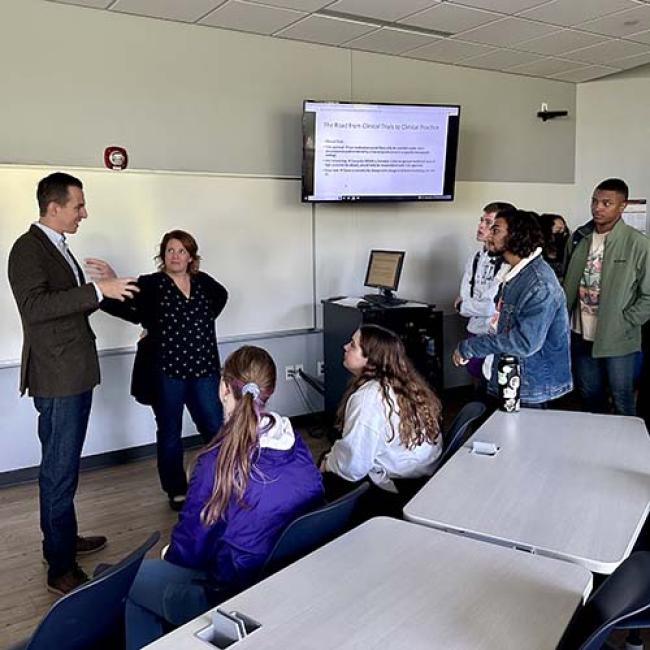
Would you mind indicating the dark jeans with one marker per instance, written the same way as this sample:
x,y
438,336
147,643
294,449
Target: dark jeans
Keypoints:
x,y
62,424
162,592
201,396
594,375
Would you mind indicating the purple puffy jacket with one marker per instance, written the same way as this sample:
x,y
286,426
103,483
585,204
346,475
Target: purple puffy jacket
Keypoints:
x,y
284,484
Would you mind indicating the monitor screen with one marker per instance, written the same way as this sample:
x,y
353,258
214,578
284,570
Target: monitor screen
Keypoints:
x,y
379,152
384,269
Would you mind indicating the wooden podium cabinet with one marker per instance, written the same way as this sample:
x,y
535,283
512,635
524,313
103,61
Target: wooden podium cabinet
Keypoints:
x,y
419,325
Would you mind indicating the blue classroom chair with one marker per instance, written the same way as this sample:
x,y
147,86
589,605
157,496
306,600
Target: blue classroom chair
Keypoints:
x,y
86,618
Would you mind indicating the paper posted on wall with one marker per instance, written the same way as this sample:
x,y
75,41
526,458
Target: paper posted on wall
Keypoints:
x,y
636,215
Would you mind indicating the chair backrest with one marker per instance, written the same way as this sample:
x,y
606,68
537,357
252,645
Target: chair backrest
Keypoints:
x,y
460,430
623,595
311,531
79,620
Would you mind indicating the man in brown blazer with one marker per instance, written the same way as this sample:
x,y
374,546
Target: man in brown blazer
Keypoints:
x,y
59,363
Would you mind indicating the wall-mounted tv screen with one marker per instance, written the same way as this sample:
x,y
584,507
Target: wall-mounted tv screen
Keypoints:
x,y
379,152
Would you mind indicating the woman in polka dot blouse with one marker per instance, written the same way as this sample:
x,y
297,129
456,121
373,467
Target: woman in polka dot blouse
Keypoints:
x,y
178,306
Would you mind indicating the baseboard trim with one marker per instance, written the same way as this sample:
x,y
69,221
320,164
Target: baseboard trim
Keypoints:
x,y
122,456
97,461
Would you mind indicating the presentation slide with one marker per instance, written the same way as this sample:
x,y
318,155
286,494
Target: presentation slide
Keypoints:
x,y
363,151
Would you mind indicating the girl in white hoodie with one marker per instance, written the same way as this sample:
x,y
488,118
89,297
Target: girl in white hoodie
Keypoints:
x,y
389,419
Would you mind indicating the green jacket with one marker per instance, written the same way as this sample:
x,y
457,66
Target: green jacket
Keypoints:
x,y
624,288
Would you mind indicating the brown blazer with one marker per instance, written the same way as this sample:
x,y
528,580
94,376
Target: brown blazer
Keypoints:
x,y
59,357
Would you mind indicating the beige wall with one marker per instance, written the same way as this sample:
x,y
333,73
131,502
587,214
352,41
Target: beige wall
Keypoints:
x,y
613,135
501,138
185,97
195,99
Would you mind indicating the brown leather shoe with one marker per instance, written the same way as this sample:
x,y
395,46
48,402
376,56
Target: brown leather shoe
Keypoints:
x,y
64,584
88,545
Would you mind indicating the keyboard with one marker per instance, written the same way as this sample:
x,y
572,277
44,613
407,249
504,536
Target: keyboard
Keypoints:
x,y
382,301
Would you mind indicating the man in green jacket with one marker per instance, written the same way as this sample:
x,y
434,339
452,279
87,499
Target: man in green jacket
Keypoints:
x,y
607,284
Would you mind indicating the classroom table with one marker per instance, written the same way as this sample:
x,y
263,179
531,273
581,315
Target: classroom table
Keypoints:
x,y
574,486
392,584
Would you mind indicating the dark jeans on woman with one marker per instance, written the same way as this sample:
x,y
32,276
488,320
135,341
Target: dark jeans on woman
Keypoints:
x,y
201,396
593,376
162,594
62,424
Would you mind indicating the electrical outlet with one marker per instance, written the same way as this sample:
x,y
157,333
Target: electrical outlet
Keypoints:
x,y
293,372
320,369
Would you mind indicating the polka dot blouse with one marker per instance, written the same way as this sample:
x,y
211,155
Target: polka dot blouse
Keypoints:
x,y
188,341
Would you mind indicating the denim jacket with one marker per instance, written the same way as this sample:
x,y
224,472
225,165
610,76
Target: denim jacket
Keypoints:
x,y
533,326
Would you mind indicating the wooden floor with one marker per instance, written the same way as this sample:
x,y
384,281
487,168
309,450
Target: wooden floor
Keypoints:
x,y
125,503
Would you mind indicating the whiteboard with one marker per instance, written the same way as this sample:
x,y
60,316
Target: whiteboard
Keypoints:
x,y
254,236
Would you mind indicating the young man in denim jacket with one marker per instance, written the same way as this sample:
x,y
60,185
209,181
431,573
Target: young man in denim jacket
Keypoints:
x,y
531,321
607,286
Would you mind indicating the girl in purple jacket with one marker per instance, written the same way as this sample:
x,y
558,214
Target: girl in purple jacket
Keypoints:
x,y
246,487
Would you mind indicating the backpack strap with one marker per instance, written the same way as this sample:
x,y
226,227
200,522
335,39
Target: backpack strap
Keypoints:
x,y
472,280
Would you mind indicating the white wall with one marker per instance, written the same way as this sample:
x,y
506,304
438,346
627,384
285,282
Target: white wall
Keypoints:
x,y
194,98
187,98
613,135
118,422
501,137
438,238
236,220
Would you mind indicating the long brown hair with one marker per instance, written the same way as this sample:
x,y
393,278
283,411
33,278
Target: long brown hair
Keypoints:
x,y
419,407
238,439
190,245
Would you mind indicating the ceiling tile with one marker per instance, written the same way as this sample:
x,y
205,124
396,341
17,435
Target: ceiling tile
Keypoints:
x,y
571,12
500,59
631,61
97,4
507,31
326,30
503,6
585,74
450,18
518,36
187,11
545,67
250,17
449,51
390,41
389,10
607,51
641,37
298,5
620,24
560,42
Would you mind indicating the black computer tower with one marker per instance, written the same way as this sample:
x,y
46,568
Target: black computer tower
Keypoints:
x,y
418,325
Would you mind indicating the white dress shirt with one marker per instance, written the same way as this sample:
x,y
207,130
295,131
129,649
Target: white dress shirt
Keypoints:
x,y
58,239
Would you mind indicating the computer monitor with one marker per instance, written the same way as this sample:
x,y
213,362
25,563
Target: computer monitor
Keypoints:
x,y
384,270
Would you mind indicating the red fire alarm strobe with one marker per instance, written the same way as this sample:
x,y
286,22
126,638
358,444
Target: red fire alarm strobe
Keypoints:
x,y
116,157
